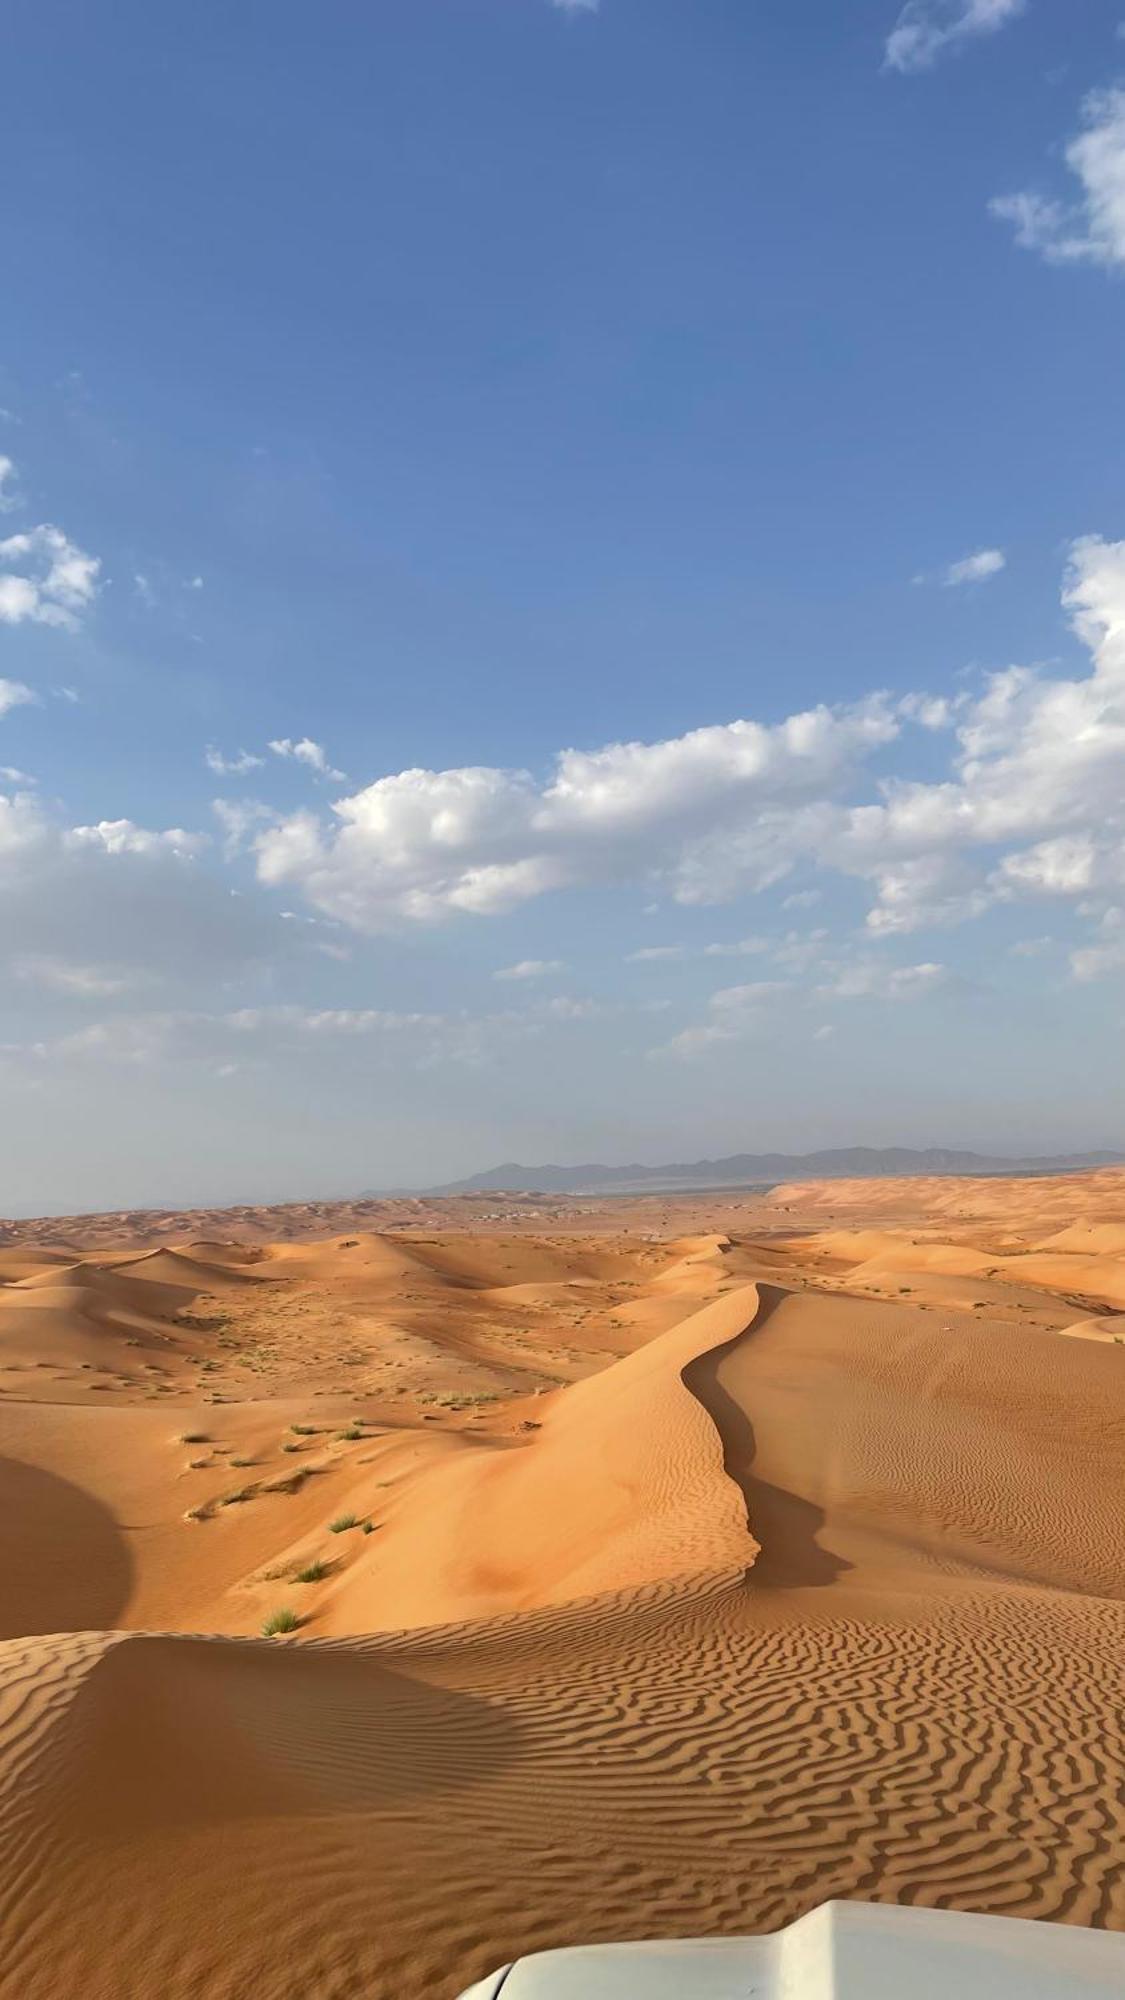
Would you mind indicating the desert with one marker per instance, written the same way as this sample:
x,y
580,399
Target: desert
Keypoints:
x,y
392,1589
562,988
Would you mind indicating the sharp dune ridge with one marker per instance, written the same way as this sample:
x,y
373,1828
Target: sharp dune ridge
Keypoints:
x,y
670,1569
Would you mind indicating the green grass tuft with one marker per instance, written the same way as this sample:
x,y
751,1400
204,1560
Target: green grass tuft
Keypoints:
x,y
314,1572
279,1621
342,1523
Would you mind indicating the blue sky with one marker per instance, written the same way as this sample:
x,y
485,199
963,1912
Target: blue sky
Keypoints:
x,y
652,470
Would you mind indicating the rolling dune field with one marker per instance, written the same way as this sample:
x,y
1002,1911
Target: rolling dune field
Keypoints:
x,y
662,1567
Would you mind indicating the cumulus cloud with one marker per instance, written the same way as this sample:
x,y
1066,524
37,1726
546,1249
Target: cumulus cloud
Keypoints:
x,y
1035,802
118,905
1031,804
305,751
702,815
927,29
121,836
231,767
530,968
45,579
1089,229
971,569
13,694
1027,805
240,819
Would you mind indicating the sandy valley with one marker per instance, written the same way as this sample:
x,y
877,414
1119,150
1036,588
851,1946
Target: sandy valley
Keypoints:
x,y
658,1565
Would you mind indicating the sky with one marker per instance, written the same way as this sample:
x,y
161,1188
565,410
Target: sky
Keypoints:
x,y
562,587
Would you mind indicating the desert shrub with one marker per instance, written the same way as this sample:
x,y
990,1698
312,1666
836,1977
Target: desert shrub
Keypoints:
x,y
279,1621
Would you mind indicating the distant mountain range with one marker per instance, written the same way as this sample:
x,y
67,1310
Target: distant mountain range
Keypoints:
x,y
841,1163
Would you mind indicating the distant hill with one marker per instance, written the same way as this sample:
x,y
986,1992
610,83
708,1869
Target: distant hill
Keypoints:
x,y
840,1163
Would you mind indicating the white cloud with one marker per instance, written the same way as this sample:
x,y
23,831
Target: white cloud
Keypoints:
x,y
13,776
232,767
224,1040
798,950
927,891
1038,774
932,711
120,836
971,569
735,1013
564,1007
305,751
747,947
655,954
731,1000
1030,804
120,903
576,6
239,819
13,694
79,982
704,815
45,579
871,979
9,494
1090,229
824,1033
530,968
927,29
1107,954
21,828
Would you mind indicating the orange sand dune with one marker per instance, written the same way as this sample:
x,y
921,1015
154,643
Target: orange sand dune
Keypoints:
x,y
752,1577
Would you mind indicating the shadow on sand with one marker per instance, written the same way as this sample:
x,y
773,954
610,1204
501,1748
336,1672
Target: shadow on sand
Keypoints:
x,y
784,1525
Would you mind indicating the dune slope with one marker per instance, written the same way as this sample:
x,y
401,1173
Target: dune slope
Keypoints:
x,y
811,1594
